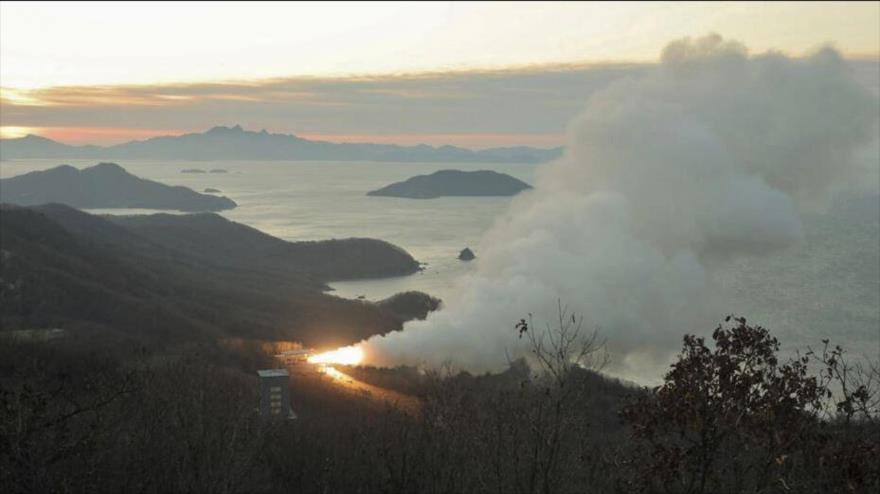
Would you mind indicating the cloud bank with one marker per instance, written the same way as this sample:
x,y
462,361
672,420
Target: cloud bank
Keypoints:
x,y
667,175
514,106
523,105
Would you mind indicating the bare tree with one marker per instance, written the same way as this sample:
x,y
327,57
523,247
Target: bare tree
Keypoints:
x,y
565,346
561,351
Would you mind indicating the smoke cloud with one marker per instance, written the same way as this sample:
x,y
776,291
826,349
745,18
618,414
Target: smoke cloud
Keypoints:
x,y
666,176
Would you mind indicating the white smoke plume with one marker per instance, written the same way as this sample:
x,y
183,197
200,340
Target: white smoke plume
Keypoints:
x,y
712,155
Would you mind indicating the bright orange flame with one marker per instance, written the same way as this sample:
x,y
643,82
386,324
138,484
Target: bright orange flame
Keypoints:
x,y
350,355
333,373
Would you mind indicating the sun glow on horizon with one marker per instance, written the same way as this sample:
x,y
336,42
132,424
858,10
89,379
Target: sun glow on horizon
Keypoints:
x,y
350,355
101,136
13,132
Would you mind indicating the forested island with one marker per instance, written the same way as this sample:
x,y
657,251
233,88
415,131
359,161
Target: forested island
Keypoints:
x,y
454,183
105,185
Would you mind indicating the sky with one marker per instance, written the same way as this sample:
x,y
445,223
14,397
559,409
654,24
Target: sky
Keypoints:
x,y
440,72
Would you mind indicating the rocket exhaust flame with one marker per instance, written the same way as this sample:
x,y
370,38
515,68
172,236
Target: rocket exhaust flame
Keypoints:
x,y
350,355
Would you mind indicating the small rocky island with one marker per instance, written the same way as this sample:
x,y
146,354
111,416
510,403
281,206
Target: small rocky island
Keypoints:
x,y
454,183
192,170
105,185
466,255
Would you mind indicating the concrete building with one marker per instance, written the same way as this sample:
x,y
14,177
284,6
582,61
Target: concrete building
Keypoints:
x,y
275,394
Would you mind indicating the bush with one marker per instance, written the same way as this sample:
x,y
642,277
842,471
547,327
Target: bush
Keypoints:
x,y
733,418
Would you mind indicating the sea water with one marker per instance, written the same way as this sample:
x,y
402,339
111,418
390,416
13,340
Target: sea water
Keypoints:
x,y
304,200
827,286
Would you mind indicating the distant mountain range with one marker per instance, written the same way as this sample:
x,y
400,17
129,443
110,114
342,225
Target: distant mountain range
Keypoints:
x,y
105,185
235,143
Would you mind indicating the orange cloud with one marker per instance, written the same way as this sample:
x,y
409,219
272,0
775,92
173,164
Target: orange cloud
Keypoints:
x,y
283,88
477,108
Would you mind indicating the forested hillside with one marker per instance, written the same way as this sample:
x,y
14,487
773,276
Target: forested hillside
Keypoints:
x,y
61,267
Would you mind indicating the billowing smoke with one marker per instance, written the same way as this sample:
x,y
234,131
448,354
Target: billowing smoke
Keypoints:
x,y
666,177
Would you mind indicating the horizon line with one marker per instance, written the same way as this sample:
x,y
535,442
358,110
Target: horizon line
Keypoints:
x,y
379,139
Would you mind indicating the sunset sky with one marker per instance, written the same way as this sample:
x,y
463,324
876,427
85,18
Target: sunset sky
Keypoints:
x,y
380,72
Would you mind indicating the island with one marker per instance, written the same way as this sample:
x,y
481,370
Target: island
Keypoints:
x,y
105,185
454,183
211,190
218,170
192,170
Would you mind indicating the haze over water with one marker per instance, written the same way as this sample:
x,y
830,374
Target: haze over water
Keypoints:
x,y
304,200
828,285
218,271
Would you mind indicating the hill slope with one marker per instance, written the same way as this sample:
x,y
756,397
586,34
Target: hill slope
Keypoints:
x,y
217,240
60,267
